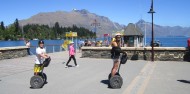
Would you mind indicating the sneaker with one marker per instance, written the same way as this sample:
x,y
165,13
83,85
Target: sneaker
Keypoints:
x,y
77,66
66,66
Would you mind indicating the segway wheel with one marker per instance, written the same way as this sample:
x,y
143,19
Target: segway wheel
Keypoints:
x,y
109,76
36,82
116,82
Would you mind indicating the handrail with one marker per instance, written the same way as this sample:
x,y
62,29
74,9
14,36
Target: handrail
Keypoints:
x,y
48,45
50,48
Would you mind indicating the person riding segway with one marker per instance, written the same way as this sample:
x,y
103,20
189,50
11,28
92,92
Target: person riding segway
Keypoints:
x,y
42,60
115,80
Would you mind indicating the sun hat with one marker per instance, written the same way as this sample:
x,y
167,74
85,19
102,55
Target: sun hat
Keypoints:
x,y
71,42
118,34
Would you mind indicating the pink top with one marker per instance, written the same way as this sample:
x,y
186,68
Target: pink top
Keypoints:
x,y
188,42
71,50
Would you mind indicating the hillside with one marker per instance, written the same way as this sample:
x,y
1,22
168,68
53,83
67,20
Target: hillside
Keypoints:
x,y
80,18
83,18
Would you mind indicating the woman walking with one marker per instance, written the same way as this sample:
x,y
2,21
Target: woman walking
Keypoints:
x,y
71,55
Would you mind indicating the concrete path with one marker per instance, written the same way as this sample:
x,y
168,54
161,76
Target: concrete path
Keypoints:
x,y
91,77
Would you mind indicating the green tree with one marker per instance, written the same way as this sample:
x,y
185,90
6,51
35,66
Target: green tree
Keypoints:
x,y
9,33
2,29
57,30
1,34
2,26
32,31
17,31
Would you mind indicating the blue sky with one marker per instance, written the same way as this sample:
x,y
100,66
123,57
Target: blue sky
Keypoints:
x,y
168,12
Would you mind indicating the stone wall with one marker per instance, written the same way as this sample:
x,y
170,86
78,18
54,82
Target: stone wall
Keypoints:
x,y
139,53
13,52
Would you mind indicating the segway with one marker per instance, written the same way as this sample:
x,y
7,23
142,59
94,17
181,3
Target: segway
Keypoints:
x,y
116,81
37,81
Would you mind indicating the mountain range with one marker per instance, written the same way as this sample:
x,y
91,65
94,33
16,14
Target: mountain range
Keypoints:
x,y
100,24
163,30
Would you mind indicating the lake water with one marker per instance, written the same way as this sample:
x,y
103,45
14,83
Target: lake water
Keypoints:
x,y
54,45
50,45
33,43
170,41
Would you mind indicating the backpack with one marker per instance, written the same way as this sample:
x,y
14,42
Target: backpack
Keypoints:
x,y
123,58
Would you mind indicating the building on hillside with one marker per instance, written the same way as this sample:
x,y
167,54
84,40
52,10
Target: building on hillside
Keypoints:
x,y
133,36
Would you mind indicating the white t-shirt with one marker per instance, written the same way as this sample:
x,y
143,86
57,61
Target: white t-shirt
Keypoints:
x,y
28,44
39,59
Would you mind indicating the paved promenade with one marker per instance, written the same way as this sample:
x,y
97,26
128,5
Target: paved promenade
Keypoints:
x,y
91,77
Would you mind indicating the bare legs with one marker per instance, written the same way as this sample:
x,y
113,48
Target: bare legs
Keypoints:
x,y
115,67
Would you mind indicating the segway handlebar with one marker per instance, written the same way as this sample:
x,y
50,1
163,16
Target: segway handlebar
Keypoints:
x,y
46,62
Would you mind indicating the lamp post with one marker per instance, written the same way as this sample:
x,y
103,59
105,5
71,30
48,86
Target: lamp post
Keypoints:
x,y
152,42
95,24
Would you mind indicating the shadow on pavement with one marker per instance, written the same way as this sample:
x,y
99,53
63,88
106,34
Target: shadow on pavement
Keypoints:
x,y
106,82
184,81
